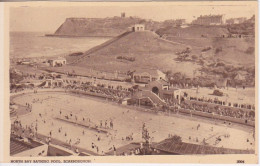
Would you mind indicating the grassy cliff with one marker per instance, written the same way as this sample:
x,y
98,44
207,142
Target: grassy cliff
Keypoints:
x,y
101,26
137,50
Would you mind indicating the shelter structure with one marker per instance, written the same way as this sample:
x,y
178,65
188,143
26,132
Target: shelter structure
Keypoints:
x,y
54,83
139,27
148,76
57,62
157,92
163,90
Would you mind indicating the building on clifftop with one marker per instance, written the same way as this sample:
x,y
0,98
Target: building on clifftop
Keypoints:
x,y
139,27
209,20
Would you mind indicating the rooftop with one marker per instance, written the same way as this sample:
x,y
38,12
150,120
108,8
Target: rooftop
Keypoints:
x,y
17,146
152,72
57,58
170,146
208,16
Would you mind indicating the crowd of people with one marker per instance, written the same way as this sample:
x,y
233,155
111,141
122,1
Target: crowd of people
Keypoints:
x,y
118,93
110,92
210,106
220,102
217,110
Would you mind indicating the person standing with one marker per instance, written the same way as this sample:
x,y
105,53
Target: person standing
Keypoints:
x,y
114,148
111,124
77,151
106,124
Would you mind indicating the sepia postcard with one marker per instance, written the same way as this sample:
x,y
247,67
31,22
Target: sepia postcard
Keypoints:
x,y
130,82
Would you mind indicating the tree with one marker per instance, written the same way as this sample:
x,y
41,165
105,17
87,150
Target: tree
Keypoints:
x,y
15,78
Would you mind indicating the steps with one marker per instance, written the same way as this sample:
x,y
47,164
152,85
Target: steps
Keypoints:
x,y
152,96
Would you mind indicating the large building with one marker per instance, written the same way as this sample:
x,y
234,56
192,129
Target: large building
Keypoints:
x,y
209,20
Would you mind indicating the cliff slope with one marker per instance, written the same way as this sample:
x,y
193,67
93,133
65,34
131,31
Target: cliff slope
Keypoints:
x,y
134,50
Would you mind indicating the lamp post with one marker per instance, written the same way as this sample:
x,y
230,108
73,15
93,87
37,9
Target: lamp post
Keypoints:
x,y
146,137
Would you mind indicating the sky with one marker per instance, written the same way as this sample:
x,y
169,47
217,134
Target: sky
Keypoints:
x,y
49,18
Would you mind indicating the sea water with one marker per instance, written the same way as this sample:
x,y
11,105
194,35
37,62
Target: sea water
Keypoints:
x,y
36,44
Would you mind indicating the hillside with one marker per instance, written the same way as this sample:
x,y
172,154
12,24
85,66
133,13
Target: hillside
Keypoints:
x,y
204,60
101,26
134,50
245,28
147,50
135,43
195,51
193,31
235,50
231,50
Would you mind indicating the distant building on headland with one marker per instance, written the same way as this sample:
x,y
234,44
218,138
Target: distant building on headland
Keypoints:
x,y
236,20
175,23
209,20
57,62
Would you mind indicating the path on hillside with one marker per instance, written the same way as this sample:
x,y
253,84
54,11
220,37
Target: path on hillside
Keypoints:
x,y
169,41
172,42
